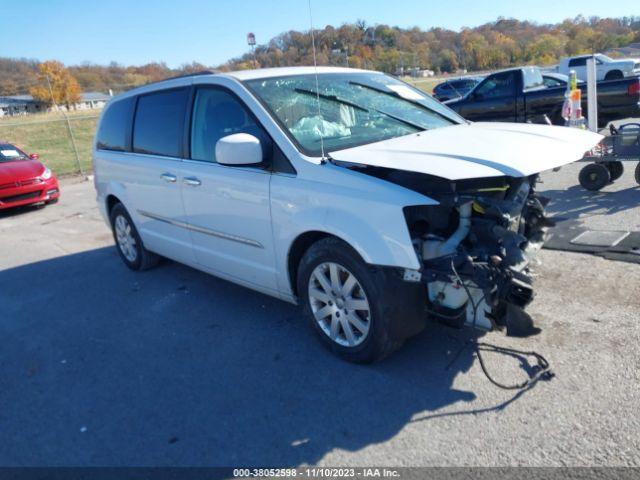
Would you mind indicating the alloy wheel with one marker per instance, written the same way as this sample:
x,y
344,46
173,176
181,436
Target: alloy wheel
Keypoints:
x,y
126,241
339,304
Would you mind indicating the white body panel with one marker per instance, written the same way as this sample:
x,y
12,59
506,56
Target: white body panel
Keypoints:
x,y
240,223
477,150
627,66
230,221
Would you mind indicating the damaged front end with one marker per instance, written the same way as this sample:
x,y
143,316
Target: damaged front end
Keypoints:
x,y
476,246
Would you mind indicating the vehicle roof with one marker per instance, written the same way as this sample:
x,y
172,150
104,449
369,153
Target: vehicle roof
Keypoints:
x,y
285,71
457,79
243,75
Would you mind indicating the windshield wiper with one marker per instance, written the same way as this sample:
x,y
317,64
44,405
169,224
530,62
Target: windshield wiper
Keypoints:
x,y
393,93
337,99
333,98
403,120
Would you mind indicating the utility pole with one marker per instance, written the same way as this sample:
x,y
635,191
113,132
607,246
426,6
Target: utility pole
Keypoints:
x,y
66,117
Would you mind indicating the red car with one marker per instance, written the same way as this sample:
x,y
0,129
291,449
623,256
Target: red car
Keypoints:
x,y
24,180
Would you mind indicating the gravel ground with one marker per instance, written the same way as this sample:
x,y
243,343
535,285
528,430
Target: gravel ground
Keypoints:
x,y
104,366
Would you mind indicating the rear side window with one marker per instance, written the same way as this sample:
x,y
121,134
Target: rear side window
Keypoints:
x,y
115,126
578,62
159,122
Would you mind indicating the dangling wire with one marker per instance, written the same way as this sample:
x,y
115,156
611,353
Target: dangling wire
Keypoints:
x,y
315,66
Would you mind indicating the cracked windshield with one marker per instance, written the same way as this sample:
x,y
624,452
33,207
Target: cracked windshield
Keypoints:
x,y
354,109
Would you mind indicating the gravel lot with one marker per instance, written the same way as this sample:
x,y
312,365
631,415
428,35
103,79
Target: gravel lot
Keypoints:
x,y
104,366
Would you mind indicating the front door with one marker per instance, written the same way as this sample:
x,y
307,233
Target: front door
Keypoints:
x,y
227,208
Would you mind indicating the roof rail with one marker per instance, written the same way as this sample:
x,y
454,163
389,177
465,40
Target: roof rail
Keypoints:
x,y
194,74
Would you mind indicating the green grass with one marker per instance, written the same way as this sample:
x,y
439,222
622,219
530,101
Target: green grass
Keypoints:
x,y
424,84
48,135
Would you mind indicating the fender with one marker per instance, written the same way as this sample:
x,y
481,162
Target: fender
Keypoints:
x,y
374,225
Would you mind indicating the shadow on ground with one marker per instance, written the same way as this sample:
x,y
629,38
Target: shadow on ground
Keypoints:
x,y
104,366
575,201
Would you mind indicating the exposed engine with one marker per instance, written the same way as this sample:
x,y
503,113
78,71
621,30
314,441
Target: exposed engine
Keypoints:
x,y
476,255
476,247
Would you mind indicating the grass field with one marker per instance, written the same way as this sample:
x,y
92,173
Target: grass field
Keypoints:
x,y
48,135
424,84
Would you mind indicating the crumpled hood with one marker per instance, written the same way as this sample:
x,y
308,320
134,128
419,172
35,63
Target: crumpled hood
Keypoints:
x,y
20,170
477,150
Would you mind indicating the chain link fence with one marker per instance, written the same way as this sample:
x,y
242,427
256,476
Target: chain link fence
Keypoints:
x,y
63,142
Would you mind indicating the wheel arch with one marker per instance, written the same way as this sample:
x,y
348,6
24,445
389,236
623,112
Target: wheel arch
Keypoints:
x,y
111,201
614,74
299,247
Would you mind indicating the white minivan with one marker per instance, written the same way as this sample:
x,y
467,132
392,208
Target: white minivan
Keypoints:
x,y
346,191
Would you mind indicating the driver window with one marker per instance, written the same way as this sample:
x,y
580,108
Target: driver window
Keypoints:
x,y
499,85
216,114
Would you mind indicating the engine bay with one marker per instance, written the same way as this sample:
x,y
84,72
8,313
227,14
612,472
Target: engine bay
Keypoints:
x,y
476,246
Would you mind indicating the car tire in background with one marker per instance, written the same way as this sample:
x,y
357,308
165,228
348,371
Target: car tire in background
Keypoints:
x,y
128,241
339,292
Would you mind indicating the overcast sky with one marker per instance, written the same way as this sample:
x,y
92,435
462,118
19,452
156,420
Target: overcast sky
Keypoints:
x,y
134,32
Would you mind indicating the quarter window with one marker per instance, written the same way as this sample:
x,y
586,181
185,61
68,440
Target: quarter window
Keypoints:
x,y
159,123
216,114
115,126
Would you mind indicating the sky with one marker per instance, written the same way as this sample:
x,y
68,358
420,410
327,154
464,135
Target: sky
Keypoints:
x,y
135,32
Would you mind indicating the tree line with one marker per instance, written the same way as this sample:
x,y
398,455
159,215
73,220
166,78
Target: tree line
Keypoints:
x,y
494,45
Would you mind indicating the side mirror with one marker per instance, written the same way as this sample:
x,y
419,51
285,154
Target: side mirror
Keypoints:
x,y
239,149
34,156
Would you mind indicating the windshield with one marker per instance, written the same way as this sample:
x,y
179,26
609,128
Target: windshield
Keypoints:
x,y
355,109
9,153
604,58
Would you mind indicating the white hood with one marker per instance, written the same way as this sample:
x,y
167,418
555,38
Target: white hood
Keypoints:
x,y
477,150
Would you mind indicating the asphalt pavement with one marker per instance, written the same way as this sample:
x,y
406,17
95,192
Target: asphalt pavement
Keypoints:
x,y
104,366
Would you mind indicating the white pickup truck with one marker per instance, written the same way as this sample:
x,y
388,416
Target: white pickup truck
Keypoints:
x,y
606,68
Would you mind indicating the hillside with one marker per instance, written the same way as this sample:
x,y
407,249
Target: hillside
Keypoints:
x,y
498,44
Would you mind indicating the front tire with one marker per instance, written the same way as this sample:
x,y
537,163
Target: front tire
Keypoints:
x,y
340,295
128,241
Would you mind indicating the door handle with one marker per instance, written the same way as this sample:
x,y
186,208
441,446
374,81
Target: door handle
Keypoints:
x,y
169,178
192,181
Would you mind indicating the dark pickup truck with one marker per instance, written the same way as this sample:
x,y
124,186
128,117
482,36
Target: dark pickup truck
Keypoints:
x,y
519,95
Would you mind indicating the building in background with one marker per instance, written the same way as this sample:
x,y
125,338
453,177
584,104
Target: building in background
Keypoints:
x,y
25,104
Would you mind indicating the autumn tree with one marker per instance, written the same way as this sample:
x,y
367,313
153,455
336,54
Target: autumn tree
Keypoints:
x,y
56,85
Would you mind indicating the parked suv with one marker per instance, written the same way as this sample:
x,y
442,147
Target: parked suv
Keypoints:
x,y
347,191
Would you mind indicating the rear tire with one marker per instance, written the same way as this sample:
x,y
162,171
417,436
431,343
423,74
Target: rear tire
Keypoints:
x,y
128,241
328,309
637,173
594,176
